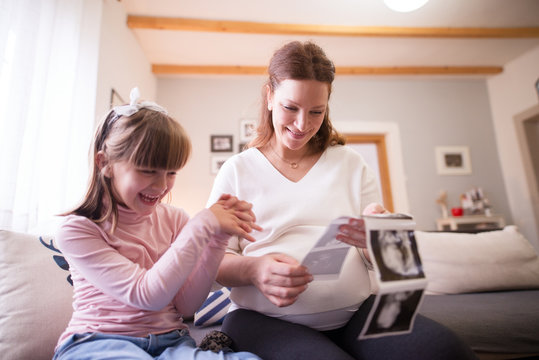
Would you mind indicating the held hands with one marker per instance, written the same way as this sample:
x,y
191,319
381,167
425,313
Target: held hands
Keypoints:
x,y
235,216
280,278
353,233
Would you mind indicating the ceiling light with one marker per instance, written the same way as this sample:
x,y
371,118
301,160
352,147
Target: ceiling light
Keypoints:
x,y
404,5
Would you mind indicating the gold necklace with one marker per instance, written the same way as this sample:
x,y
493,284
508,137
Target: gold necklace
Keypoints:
x,y
293,164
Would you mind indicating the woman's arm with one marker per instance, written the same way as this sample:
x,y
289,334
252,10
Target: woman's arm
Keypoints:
x,y
279,277
235,218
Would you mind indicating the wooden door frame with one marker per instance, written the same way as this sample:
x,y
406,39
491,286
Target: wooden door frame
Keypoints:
x,y
394,154
379,141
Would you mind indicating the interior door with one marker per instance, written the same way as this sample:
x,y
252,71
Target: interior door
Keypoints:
x,y
373,149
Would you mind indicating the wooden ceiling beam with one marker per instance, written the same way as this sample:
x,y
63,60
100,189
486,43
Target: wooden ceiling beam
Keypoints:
x,y
247,27
164,69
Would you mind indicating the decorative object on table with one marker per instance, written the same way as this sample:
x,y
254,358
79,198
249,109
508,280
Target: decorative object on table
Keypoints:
x,y
474,202
442,201
453,160
457,211
221,143
247,130
241,146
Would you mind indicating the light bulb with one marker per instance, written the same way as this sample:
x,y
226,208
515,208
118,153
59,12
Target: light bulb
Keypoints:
x,y
404,5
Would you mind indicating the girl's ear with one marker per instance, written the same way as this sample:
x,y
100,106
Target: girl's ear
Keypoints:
x,y
269,98
102,162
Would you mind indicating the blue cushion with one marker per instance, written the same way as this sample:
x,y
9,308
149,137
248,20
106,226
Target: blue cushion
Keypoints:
x,y
214,309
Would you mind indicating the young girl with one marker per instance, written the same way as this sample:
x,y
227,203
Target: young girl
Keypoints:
x,y
138,266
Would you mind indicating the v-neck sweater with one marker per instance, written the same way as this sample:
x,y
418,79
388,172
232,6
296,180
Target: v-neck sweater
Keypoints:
x,y
142,278
293,216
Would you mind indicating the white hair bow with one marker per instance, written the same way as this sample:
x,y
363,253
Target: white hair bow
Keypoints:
x,y
134,105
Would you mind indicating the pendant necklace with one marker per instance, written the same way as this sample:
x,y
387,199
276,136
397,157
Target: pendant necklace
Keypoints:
x,y
293,164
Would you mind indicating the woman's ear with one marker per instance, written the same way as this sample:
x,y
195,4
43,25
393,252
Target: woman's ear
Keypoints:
x,y
269,98
102,162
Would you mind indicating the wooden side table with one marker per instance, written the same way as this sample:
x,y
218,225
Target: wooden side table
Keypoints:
x,y
454,223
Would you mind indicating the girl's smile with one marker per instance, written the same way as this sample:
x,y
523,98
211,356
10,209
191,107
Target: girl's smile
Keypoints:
x,y
140,189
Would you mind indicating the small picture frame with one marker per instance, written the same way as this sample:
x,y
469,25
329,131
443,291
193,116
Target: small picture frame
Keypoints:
x,y
247,130
453,160
115,99
216,163
241,146
221,143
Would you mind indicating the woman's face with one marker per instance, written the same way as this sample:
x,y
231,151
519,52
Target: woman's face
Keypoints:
x,y
298,109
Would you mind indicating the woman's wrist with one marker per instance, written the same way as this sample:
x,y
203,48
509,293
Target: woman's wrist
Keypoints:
x,y
364,253
236,270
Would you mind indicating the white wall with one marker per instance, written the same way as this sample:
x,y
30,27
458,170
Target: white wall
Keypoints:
x,y
428,113
122,63
511,93
206,106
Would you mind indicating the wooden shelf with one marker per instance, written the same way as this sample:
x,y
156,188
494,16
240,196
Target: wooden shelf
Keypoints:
x,y
474,222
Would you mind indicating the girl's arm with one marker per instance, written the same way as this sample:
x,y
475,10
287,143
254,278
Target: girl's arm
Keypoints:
x,y
196,288
200,242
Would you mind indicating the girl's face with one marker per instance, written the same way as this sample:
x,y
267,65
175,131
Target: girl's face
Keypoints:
x,y
298,110
140,189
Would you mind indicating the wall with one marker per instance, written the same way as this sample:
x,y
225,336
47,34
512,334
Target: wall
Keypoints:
x,y
428,112
122,63
206,106
511,93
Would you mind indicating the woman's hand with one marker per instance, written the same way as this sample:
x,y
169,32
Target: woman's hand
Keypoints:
x,y
280,278
375,208
235,216
354,234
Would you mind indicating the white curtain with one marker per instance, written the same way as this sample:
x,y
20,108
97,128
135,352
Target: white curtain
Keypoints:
x,y
48,74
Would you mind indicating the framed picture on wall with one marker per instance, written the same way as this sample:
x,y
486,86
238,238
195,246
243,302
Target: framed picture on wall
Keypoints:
x,y
221,143
115,99
453,160
216,163
247,130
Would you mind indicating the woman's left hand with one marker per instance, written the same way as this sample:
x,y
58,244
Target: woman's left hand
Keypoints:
x,y
353,233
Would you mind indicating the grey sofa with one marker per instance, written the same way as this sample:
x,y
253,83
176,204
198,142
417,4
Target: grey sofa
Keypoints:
x,y
496,313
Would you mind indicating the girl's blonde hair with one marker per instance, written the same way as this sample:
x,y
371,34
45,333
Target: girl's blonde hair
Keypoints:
x,y
148,138
298,61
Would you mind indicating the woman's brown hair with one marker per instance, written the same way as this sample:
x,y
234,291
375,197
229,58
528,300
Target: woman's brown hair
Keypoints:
x,y
148,138
298,61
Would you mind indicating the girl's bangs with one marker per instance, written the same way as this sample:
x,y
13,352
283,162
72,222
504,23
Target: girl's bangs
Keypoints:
x,y
165,146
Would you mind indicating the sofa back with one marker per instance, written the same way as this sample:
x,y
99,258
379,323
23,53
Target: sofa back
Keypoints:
x,y
35,296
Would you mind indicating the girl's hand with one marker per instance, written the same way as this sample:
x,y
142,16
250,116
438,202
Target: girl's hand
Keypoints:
x,y
280,278
235,216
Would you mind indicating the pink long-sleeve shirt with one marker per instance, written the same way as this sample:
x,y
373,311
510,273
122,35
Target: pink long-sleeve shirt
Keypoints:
x,y
145,276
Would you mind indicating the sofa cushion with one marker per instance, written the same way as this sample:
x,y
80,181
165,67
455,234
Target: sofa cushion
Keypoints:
x,y
214,309
488,261
35,296
503,322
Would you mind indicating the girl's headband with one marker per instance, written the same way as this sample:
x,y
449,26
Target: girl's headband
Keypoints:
x,y
134,106
126,110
